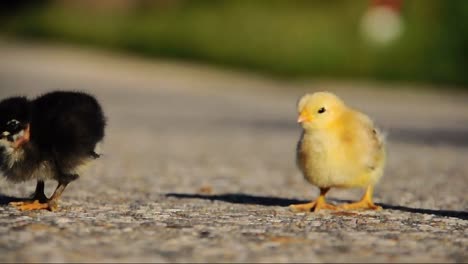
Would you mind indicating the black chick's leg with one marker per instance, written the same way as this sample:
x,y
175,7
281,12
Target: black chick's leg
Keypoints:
x,y
38,197
39,193
65,179
50,204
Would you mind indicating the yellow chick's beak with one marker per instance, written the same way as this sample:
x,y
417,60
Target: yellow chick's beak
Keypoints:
x,y
304,117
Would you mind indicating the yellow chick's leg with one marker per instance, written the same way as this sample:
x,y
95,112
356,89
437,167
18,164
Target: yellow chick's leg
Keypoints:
x,y
319,203
365,202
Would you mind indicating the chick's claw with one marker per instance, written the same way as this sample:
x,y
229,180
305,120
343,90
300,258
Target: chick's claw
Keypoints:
x,y
307,207
30,205
312,206
34,205
361,205
365,203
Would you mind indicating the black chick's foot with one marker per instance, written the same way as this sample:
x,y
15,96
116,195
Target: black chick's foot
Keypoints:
x,y
35,205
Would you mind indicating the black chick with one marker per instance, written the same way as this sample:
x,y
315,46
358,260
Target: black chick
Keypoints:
x,y
48,138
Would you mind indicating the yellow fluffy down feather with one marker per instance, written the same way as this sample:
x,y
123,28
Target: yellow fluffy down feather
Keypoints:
x,y
339,147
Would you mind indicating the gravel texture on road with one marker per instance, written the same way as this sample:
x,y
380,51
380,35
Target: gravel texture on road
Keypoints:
x,y
198,165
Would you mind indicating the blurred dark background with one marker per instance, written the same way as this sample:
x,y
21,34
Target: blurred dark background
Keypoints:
x,y
387,40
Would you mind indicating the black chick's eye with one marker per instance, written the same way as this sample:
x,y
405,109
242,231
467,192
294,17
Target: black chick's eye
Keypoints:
x,y
321,110
12,125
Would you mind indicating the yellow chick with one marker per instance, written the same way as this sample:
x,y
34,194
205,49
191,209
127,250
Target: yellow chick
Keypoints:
x,y
339,147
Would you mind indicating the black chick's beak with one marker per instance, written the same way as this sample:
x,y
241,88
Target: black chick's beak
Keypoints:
x,y
17,138
23,137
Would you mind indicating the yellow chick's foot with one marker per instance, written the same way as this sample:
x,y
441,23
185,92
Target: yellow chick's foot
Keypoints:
x,y
32,205
312,206
365,203
361,205
318,204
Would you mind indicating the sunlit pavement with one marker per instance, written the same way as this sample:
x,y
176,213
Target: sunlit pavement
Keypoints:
x,y
199,165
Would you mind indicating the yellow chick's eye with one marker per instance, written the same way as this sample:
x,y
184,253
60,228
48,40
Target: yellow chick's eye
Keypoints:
x,y
321,110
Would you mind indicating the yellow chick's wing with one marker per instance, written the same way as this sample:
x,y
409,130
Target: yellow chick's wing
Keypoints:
x,y
362,145
365,146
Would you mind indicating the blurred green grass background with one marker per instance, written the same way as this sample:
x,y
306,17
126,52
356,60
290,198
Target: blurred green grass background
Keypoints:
x,y
285,39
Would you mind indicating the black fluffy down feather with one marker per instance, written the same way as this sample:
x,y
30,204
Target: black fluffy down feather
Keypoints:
x,y
64,128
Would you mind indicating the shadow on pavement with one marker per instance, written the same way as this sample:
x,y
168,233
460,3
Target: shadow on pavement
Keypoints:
x,y
5,199
446,213
240,198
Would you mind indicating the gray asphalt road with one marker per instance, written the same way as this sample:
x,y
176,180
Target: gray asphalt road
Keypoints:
x,y
199,166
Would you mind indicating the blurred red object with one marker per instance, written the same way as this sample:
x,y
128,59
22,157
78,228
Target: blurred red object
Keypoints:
x,y
382,22
393,4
